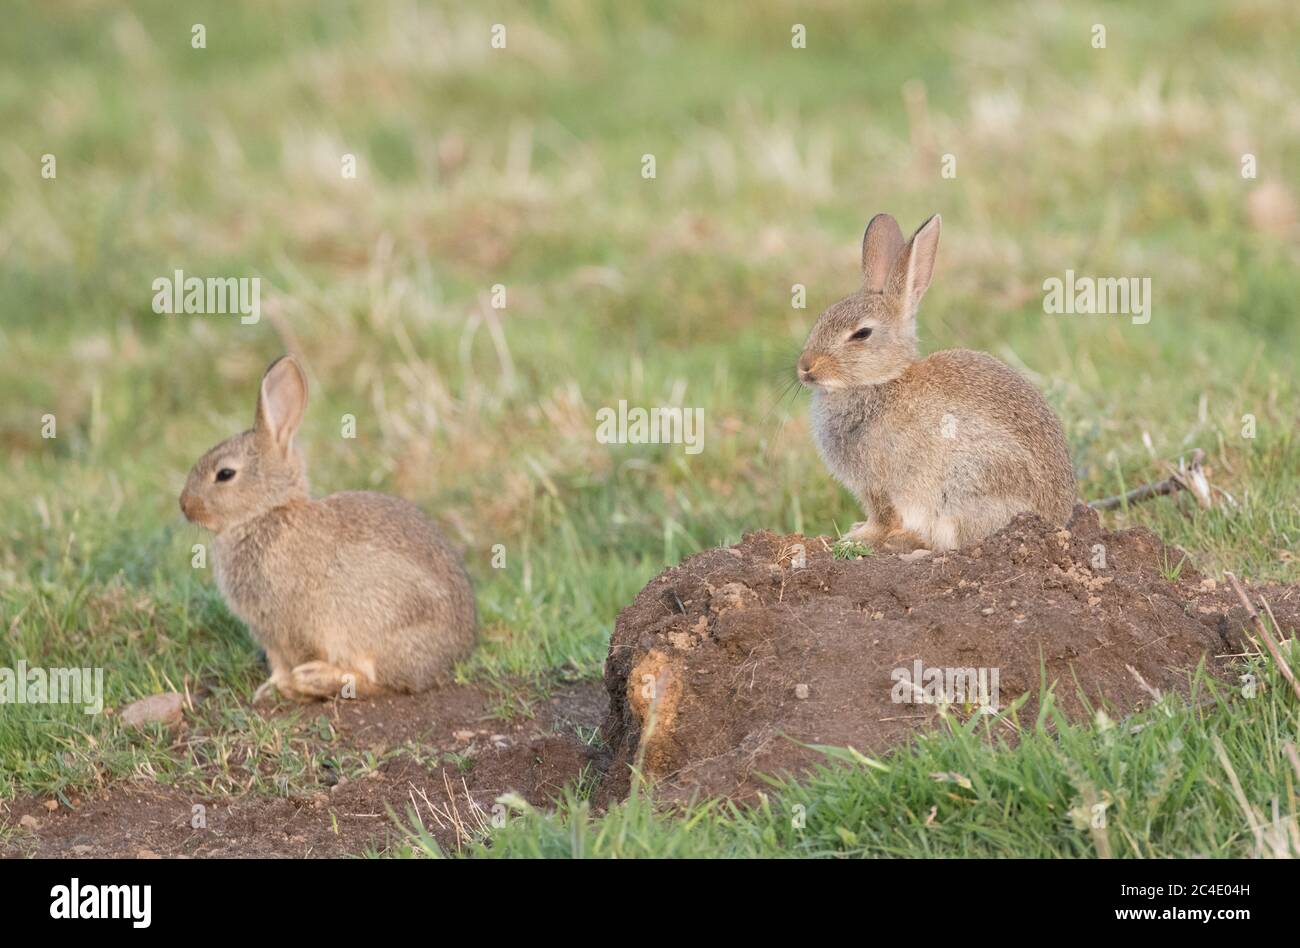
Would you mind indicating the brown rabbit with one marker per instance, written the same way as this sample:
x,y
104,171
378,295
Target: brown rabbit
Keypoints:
x,y
939,451
352,594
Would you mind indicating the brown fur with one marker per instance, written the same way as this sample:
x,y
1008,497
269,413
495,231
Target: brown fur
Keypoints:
x,y
352,594
939,451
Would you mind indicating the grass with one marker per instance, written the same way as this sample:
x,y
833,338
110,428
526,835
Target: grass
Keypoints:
x,y
851,550
522,167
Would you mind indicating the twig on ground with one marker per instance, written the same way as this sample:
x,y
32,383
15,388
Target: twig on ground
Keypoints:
x,y
1191,477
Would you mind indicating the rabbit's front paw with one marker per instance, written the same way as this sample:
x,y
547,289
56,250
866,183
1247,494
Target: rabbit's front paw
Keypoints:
x,y
272,684
864,532
903,541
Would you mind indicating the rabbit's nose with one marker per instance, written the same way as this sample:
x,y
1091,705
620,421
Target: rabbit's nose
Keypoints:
x,y
805,367
189,506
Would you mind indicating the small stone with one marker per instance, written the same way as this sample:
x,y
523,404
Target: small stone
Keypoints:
x,y
463,736
165,709
51,805
30,822
146,854
681,640
731,596
801,691
987,610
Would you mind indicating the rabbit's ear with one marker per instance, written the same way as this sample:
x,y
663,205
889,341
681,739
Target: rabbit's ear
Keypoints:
x,y
881,245
915,265
281,403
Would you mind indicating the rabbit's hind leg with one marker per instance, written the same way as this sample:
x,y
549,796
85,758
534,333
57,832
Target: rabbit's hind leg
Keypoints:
x,y
323,680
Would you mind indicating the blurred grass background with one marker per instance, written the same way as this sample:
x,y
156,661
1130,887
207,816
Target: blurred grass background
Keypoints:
x,y
522,166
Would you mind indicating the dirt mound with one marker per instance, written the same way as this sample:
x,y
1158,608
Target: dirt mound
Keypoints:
x,y
722,660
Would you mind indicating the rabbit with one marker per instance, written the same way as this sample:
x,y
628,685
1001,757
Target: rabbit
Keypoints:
x,y
350,595
941,451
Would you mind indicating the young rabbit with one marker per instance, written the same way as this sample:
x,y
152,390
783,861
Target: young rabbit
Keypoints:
x,y
352,594
939,451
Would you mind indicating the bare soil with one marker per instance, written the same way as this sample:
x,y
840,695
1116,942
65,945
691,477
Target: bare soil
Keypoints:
x,y
535,759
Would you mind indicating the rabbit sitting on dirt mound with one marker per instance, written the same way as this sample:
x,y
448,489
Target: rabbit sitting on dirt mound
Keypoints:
x,y
352,594
939,451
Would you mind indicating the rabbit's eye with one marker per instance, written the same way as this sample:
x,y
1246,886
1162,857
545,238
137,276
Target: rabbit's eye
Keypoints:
x,y
225,474
862,333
